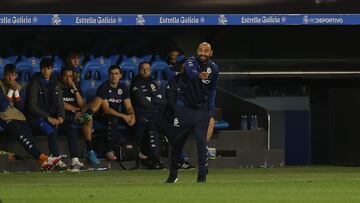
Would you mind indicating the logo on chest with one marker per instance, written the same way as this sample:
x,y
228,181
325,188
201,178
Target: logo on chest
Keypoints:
x,y
207,81
153,87
113,100
69,99
176,122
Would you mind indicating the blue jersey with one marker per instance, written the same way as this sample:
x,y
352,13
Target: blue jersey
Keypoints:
x,y
197,92
115,96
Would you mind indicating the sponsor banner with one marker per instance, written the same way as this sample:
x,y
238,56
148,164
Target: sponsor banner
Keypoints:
x,y
176,19
9,19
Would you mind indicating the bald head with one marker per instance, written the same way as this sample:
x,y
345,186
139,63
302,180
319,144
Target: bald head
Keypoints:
x,y
204,51
205,44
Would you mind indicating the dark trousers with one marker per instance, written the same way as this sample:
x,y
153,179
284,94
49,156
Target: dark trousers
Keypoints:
x,y
146,125
22,132
68,130
52,138
185,121
165,127
114,137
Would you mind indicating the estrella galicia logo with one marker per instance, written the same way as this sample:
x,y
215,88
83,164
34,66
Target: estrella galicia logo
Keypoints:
x,y
222,20
306,19
55,20
140,20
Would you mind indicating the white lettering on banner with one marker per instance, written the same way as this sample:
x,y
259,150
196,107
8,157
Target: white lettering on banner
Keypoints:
x,y
189,20
179,20
250,20
21,20
96,20
106,20
82,20
327,20
5,20
260,20
173,20
271,19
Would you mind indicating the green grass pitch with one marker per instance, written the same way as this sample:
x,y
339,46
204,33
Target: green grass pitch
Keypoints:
x,y
289,184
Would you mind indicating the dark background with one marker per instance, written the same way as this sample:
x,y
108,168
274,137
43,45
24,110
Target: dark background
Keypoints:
x,y
183,6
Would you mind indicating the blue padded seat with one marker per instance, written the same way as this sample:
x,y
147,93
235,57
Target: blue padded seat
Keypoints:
x,y
93,75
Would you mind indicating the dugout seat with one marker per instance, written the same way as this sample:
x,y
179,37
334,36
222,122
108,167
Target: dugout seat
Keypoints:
x,y
160,73
93,74
130,70
114,59
26,68
3,63
12,59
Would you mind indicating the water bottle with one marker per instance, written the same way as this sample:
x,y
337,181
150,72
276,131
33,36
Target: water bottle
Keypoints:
x,y
45,127
244,123
254,123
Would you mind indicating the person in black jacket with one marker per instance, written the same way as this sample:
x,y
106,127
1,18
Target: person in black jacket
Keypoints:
x,y
45,109
148,104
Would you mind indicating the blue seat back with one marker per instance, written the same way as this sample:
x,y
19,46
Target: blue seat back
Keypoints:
x,y
135,59
160,73
58,63
147,57
3,63
114,59
26,68
12,59
93,75
130,70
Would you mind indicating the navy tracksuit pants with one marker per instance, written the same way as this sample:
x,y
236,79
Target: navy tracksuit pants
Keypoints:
x,y
66,128
22,132
114,137
188,120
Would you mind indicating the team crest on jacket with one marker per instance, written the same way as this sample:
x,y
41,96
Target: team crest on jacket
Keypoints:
x,y
176,122
152,86
208,70
119,91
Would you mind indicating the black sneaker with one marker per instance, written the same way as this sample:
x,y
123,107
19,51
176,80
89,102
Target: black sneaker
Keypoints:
x,y
201,179
172,179
185,165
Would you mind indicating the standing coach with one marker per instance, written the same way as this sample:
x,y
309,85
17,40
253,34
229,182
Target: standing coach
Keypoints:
x,y
194,107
